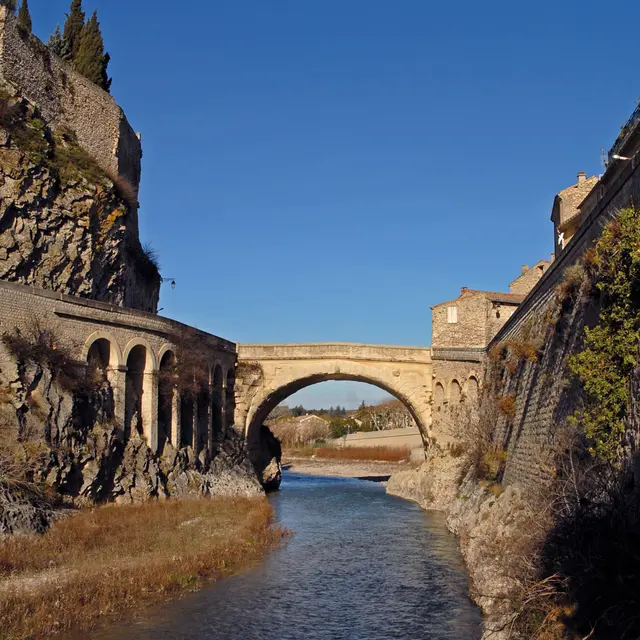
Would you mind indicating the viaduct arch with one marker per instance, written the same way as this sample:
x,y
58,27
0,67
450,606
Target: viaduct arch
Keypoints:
x,y
269,373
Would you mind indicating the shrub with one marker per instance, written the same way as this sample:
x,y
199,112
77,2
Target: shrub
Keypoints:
x,y
145,261
71,162
125,190
606,365
41,345
507,405
520,350
490,465
573,279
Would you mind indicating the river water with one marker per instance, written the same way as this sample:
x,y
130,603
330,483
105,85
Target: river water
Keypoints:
x,y
362,566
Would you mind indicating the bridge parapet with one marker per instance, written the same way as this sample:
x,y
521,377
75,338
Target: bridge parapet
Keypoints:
x,y
334,350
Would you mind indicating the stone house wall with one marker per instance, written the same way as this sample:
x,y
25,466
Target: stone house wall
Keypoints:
x,y
470,330
529,278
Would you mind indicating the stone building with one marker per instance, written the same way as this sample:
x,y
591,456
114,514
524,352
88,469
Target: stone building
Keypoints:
x,y
566,214
472,319
529,277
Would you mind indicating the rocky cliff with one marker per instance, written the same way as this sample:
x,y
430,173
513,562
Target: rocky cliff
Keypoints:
x,y
58,445
65,224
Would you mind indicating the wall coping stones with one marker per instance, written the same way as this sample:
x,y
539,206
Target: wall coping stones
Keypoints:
x,y
118,316
334,350
461,354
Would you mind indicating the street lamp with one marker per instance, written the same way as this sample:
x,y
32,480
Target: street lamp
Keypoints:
x,y
173,282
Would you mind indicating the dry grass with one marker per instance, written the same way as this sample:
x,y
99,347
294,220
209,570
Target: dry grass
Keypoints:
x,y
113,558
384,454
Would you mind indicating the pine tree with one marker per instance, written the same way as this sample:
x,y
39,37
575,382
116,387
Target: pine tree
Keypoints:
x,y
73,26
58,44
91,60
24,16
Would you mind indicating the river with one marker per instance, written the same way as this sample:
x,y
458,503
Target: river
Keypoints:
x,y
362,566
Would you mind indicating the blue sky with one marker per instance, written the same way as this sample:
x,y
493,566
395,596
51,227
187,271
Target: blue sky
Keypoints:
x,y
325,170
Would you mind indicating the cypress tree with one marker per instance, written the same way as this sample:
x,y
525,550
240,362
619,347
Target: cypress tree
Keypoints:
x,y
73,26
24,16
91,60
58,44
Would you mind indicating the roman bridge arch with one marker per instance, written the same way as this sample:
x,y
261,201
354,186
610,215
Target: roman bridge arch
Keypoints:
x,y
269,373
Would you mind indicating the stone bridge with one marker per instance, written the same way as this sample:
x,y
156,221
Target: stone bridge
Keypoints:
x,y
269,373
138,352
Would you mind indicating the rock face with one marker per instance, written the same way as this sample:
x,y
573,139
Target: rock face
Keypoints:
x,y
267,460
69,451
64,224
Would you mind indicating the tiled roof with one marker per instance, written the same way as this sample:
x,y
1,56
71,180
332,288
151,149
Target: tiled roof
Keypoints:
x,y
498,296
493,296
573,196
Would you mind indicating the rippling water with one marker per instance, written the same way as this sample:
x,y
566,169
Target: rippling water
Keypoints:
x,y
362,565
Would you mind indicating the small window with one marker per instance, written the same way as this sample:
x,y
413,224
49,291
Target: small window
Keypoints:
x,y
452,315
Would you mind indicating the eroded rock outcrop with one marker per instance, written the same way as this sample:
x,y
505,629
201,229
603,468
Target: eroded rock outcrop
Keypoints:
x,y
65,224
266,458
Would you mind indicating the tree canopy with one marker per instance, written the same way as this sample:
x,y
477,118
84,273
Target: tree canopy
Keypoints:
x,y
91,60
73,26
24,16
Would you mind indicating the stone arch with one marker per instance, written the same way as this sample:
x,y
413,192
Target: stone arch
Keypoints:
x,y
472,388
455,392
103,337
167,400
140,399
268,398
151,364
438,395
217,401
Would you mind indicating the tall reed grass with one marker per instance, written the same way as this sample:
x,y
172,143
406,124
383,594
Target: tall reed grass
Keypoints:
x,y
107,560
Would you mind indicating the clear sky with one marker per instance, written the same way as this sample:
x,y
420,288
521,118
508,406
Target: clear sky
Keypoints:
x,y
325,170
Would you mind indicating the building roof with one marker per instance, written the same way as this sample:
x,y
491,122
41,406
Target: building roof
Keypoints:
x,y
572,197
492,296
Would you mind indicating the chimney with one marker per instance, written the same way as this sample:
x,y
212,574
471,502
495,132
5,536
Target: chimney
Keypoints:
x,y
463,290
582,176
524,269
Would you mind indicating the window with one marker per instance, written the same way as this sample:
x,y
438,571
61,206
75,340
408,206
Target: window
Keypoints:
x,y
452,315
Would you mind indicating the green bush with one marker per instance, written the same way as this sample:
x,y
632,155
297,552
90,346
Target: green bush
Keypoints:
x,y
606,365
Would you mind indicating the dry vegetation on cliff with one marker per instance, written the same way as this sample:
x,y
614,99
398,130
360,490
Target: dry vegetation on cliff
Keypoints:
x,y
104,561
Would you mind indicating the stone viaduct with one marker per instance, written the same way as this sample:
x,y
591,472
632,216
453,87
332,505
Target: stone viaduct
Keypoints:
x,y
134,349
